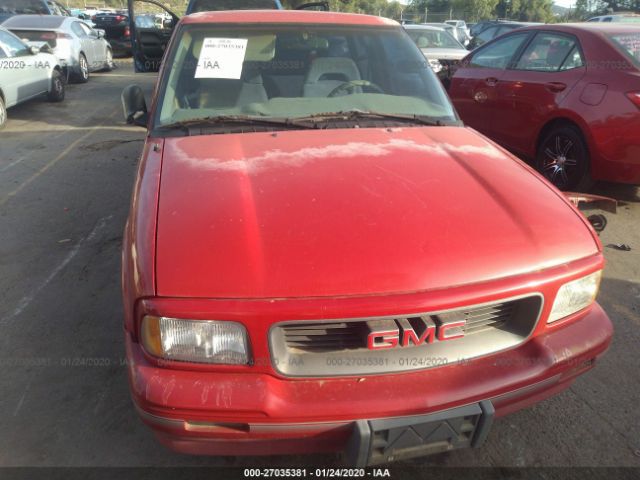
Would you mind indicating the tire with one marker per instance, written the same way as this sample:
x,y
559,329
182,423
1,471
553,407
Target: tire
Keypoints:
x,y
82,75
563,159
3,114
108,64
57,92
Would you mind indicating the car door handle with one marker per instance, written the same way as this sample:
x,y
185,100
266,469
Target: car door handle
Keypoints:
x,y
555,87
491,81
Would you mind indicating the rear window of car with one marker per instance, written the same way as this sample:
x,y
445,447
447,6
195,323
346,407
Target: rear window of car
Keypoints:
x,y
426,38
27,7
628,44
217,5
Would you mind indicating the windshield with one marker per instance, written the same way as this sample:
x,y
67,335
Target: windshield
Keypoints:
x,y
425,38
295,71
629,44
216,5
21,7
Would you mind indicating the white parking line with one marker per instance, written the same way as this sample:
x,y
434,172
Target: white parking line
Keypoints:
x,y
27,299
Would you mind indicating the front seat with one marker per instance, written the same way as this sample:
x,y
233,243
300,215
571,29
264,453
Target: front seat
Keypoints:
x,y
328,73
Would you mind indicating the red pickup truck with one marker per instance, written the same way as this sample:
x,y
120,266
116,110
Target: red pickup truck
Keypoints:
x,y
321,257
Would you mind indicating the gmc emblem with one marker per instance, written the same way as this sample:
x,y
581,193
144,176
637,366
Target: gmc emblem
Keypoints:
x,y
405,334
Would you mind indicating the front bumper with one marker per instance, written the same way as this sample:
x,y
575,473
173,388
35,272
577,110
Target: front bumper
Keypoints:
x,y
203,412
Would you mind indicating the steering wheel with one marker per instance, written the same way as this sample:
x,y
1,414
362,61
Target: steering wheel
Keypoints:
x,y
352,85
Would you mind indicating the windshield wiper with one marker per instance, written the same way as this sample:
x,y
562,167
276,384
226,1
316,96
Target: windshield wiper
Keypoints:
x,y
224,120
354,115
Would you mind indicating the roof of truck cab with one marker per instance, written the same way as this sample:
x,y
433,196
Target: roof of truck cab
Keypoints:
x,y
287,16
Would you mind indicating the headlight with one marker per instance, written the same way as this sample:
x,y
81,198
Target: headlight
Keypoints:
x,y
201,341
574,296
436,66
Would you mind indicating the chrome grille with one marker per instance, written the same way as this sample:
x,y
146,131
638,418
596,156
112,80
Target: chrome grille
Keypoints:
x,y
340,347
328,336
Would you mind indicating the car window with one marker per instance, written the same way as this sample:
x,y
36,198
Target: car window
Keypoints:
x,y
574,60
13,46
498,54
294,71
77,29
88,31
607,19
433,39
2,54
628,44
487,34
26,7
504,29
546,53
54,9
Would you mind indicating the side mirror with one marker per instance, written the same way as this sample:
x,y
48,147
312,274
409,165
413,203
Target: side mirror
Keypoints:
x,y
168,23
34,50
101,33
134,106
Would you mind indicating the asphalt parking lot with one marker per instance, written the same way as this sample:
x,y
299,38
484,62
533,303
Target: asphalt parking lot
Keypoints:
x,y
66,174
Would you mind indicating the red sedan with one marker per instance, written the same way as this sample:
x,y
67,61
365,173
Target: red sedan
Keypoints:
x,y
319,257
565,97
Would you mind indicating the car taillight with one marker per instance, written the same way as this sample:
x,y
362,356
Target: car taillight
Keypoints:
x,y
119,18
635,98
127,32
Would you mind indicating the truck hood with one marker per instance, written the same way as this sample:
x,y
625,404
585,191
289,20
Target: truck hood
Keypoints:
x,y
353,212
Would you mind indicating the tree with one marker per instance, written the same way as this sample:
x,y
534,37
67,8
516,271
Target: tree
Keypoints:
x,y
478,9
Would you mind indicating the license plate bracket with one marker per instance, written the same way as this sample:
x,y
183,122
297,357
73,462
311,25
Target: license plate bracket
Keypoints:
x,y
375,442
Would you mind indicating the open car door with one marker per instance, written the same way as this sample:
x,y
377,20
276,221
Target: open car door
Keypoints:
x,y
151,25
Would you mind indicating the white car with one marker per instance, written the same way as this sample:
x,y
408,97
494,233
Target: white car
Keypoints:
x,y
79,47
617,18
27,71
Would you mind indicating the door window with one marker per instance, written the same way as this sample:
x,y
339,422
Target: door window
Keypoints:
x,y
498,54
77,29
548,52
88,31
12,46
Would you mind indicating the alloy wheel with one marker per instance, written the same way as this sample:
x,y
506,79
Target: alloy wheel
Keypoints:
x,y
84,68
561,161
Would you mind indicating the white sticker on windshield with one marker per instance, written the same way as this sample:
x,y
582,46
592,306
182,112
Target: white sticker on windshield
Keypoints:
x,y
221,58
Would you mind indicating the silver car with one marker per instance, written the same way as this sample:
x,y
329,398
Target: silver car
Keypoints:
x,y
79,47
442,51
27,71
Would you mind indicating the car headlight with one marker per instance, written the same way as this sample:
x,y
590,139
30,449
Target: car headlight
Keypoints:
x,y
575,295
200,341
436,66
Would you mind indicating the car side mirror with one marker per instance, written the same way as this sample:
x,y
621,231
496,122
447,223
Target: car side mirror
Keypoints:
x,y
134,106
34,50
100,33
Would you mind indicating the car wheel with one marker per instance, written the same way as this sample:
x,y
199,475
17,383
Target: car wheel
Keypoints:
x,y
57,92
563,158
83,69
3,114
108,64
